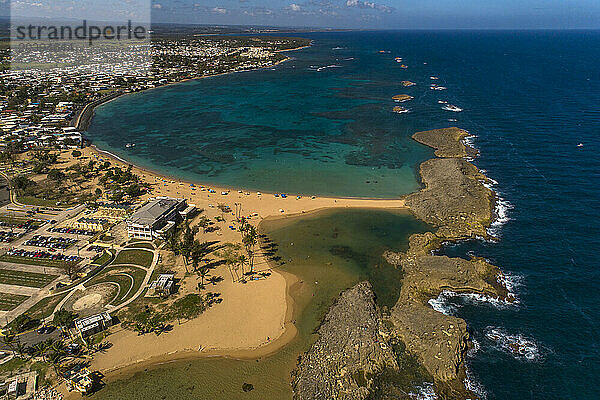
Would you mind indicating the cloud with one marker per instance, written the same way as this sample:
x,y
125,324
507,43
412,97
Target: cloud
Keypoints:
x,y
294,7
219,10
368,4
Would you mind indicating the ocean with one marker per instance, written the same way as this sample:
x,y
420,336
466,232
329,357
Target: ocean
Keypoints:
x,y
322,124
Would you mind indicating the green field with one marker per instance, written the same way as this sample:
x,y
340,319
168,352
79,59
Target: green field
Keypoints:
x,y
42,262
104,258
9,301
44,308
23,278
17,220
139,257
140,245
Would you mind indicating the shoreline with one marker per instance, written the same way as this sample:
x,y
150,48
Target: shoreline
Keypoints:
x,y
113,157
287,335
90,108
289,331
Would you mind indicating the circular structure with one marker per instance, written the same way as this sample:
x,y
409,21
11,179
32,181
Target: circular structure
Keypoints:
x,y
86,302
92,300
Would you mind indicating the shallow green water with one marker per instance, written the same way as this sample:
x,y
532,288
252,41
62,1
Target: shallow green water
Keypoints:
x,y
328,251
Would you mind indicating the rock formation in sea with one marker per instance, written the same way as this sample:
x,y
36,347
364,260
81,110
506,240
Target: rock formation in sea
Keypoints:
x,y
354,349
351,350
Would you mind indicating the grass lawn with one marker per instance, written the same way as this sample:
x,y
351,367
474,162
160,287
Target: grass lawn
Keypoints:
x,y
104,258
23,278
123,277
42,262
13,220
12,365
134,256
34,201
44,308
9,301
140,245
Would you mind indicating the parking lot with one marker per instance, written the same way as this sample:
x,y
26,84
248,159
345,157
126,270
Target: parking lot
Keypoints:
x,y
42,254
72,231
50,242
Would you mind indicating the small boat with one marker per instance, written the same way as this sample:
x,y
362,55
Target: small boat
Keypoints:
x,y
128,145
452,120
404,66
434,78
398,59
442,102
580,145
433,86
452,107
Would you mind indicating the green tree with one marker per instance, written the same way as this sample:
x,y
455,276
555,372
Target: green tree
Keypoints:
x,y
57,176
21,182
64,318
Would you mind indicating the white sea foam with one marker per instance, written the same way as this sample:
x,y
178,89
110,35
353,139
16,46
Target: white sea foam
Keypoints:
x,y
444,305
424,392
441,303
473,350
517,345
472,384
501,211
328,66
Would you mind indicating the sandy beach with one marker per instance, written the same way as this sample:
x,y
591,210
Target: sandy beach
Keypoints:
x,y
254,319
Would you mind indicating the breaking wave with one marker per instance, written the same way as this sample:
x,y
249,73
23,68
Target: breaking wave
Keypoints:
x,y
517,345
424,392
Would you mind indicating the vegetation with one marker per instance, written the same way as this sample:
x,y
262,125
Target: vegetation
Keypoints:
x,y
103,259
24,278
45,307
134,256
64,318
9,301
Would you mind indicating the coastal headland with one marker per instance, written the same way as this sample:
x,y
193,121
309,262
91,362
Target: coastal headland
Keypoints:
x,y
456,202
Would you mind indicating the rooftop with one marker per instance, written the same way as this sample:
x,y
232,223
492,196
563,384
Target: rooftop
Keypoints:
x,y
154,209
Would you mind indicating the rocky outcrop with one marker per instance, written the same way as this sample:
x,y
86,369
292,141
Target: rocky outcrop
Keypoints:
x,y
447,142
400,98
351,350
456,202
454,198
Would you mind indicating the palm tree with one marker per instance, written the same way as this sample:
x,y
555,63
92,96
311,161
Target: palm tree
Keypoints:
x,y
203,274
203,223
55,358
10,341
39,350
249,239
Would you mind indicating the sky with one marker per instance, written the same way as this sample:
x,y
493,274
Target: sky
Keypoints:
x,y
376,14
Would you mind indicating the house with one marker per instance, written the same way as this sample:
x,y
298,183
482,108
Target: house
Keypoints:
x,y
90,224
113,212
162,286
156,217
93,324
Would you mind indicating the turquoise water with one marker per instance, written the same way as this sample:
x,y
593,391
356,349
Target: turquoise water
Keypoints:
x,y
295,129
328,251
529,97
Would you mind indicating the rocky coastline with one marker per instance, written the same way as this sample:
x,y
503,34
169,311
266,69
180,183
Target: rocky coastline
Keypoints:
x,y
456,202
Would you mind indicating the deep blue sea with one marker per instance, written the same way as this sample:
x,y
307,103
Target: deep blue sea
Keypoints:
x,y
322,123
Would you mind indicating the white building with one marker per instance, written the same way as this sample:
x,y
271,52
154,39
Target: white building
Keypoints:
x,y
93,324
157,217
